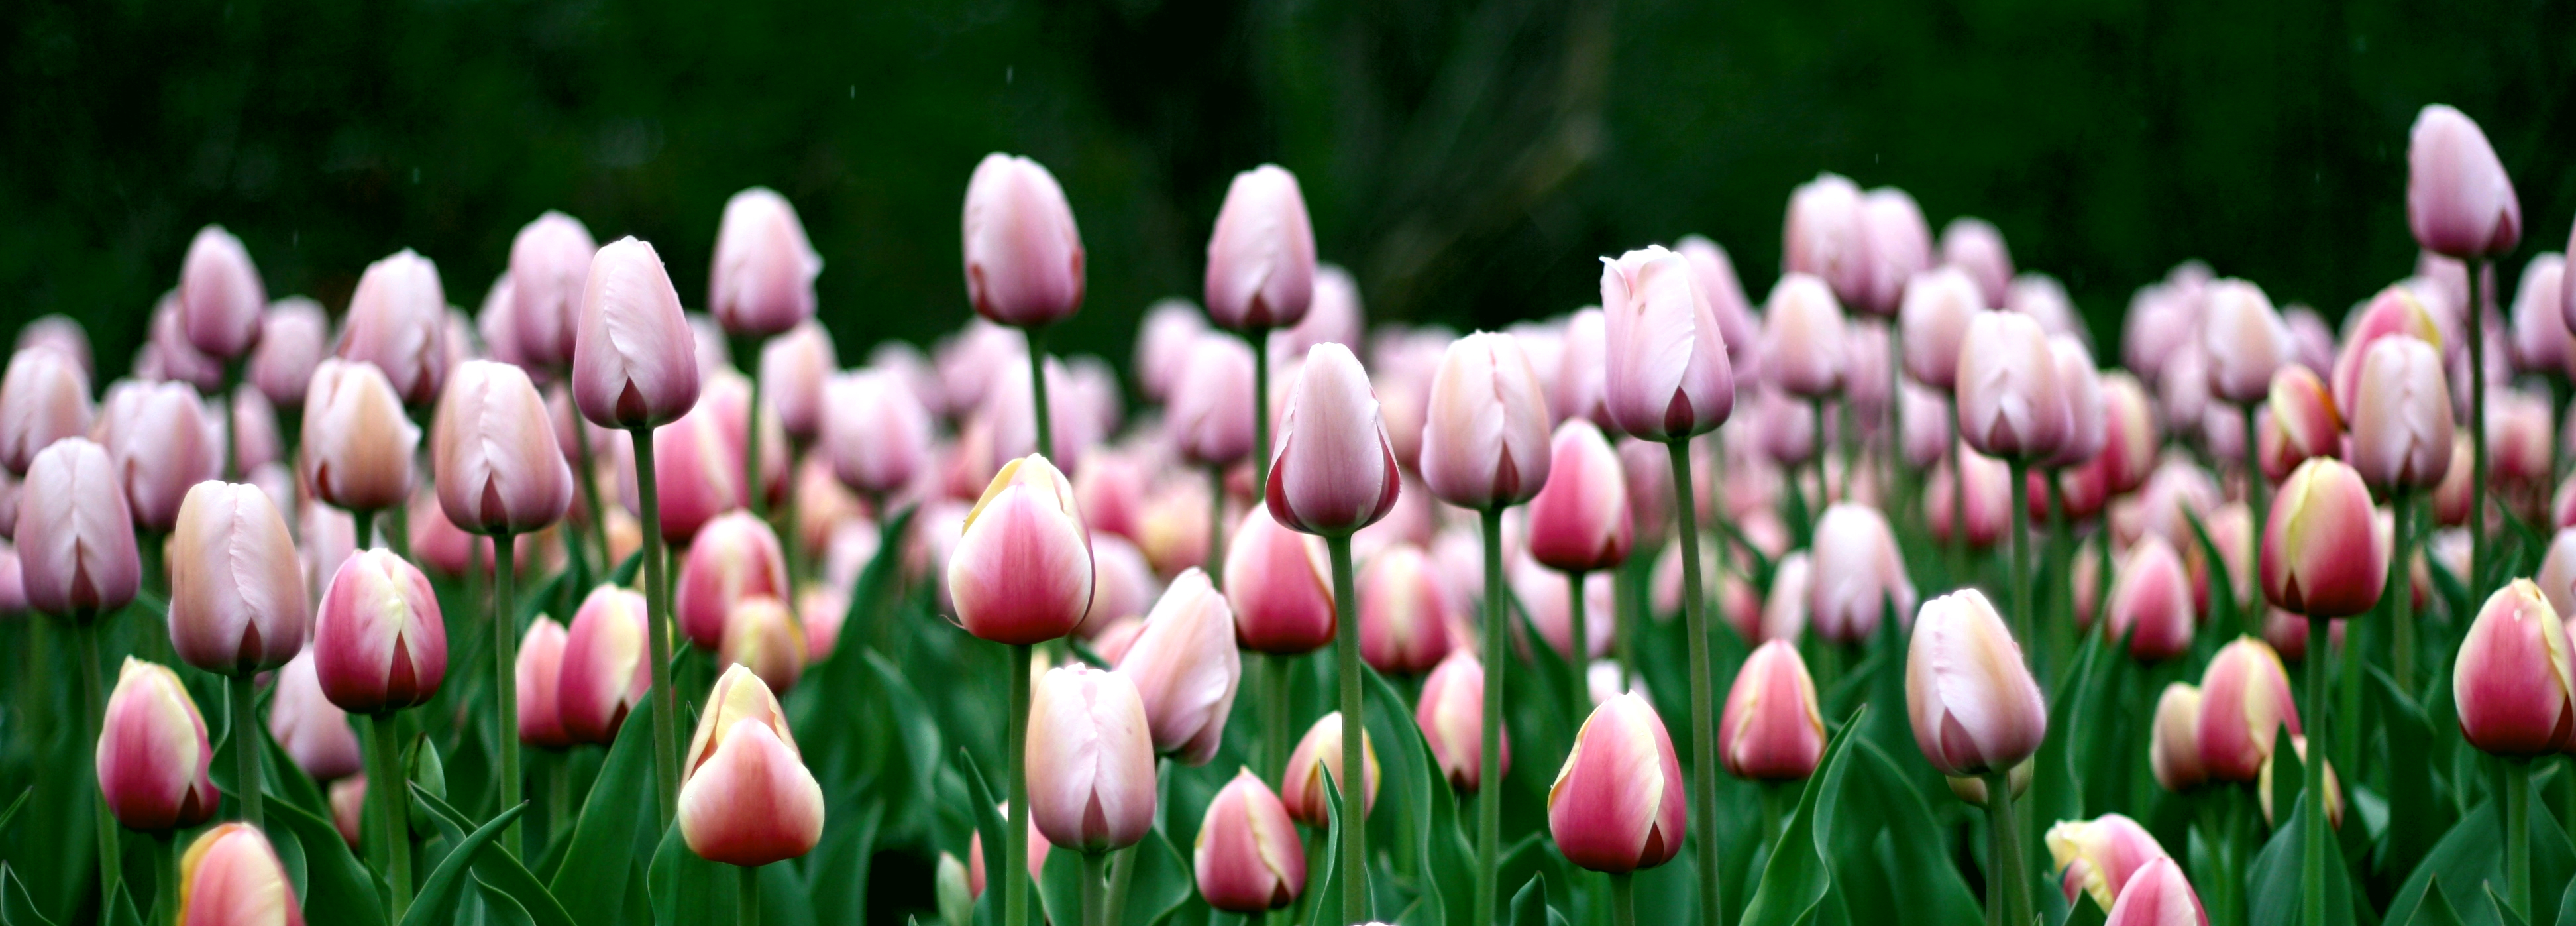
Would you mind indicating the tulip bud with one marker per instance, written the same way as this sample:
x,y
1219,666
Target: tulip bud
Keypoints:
x,y
231,877
2108,850
736,557
2243,339
1090,760
1261,255
152,752
1185,668
2130,438
379,644
1209,420
2151,602
1023,254
1771,730
1405,611
1617,805
236,586
1975,708
1859,575
1333,471
875,430
539,677
549,265
76,550
1248,857
2244,697
44,398
1484,444
1122,584
1580,520
2401,415
2081,389
1451,713
2320,558
604,673
493,450
746,797
1987,511
1802,338
2302,423
358,442
2334,788
1022,568
2512,679
313,731
763,280
1276,580
2158,895
1666,371
1318,754
1899,246
220,294
163,441
1549,600
1165,340
761,634
2541,339
1975,247
398,321
634,360
1828,236
2010,401
2459,203
2174,752
793,370
1934,319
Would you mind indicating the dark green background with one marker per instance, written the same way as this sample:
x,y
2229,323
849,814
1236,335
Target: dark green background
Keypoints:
x,y
1468,160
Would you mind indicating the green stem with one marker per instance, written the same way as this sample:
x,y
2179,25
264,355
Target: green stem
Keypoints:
x,y
560,812
1042,413
657,609
1352,777
94,690
2312,817
399,537
2019,517
1278,674
246,748
1260,338
2476,316
1578,697
165,866
1771,815
2007,877
1122,875
1095,884
1623,899
2401,594
505,676
364,521
2517,834
2258,488
1489,777
387,783
1216,527
588,477
746,897
1703,737
1015,902
232,435
754,499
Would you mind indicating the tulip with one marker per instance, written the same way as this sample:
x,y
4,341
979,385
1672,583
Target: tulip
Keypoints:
x,y
44,398
494,454
2151,602
1038,849
1333,316
793,370
1617,805
256,444
1972,791
1090,760
1276,580
1975,247
1122,584
2244,340
1334,471
1783,614
549,265
2401,416
1771,730
539,675
1405,611
2398,310
2557,576
220,294
163,440
1023,254
2319,556
2160,896
2244,697
1988,509
1739,334
634,359
398,321
1261,255
1666,371
2459,203
2302,423
1185,668
1576,390
1828,236
1209,420
152,752
1451,714
2174,753
735,558
1165,340
236,586
2087,425
1485,443
746,797
1549,602
75,540
1022,569
348,800
231,877
2010,401
604,675
1938,307
167,356
761,634
762,283
358,443
1859,575
875,431
1975,708
2333,788
1248,858
2512,679
1802,338
2130,437
313,731
1899,246
2102,855
379,643
2541,339
1318,754
1581,520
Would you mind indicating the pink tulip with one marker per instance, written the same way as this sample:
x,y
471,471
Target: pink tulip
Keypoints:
x,y
2319,556
1549,599
1739,333
2244,698
2158,895
1122,584
2459,203
398,321
875,430
1209,418
2401,415
634,359
2541,340
236,586
1248,858
763,280
58,332
538,676
2244,340
1828,236
220,294
152,752
231,877
1009,413
1405,611
1333,471
1575,390
1975,708
604,674
163,440
1186,669
1783,614
2518,438
1333,316
1802,338
1023,254
1022,570
358,442
2512,679
2301,424
76,550
494,454
793,369
2451,496
44,398
1771,730
1934,318
2087,424
1859,574
1617,805
1975,247
1261,256
1900,246
746,797
2130,435
549,266
167,354
2103,854
313,731
1090,760
2151,602
1666,372
1987,512
2174,752
697,469
1112,493
1926,435
256,442
1451,714
736,557
1485,443
2011,404
1283,602
2396,311
762,635
1318,755
1580,521
379,644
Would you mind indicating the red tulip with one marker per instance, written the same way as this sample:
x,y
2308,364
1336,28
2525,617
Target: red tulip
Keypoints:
x,y
152,752
763,280
746,797
2512,679
1261,255
1023,254
1618,804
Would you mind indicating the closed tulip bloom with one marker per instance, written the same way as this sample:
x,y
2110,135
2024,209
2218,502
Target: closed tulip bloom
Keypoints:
x,y
2512,678
2151,602
1575,390
1739,334
1802,338
734,558
2541,340
1451,713
1975,708
1975,247
1165,340
1318,755
1333,471
2010,402
358,443
2459,203
763,279
1248,858
1276,580
1209,417
1405,611
762,634
634,359
236,586
231,877
875,430
1023,254
2087,424
1186,668
1261,256
59,332
1580,520
398,321
2244,697
1859,574
497,466
2401,415
1900,246
1022,571
2130,435
1122,584
44,398
2302,423
697,471
313,731
1934,318
1617,805
76,550
2173,753
167,355
604,674
746,797
793,368
1549,600
539,676
1666,372
379,644
1771,730
2108,851
2518,438
1485,443
2320,558
1090,760
152,752
220,294
2158,895
163,440
2399,310
1987,511
549,265
2244,340
1828,237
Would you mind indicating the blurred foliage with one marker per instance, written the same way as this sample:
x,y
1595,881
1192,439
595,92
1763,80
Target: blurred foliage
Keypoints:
x,y
1468,160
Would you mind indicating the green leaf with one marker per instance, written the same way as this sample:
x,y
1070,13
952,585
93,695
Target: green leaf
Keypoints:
x,y
2415,817
439,896
2503,911
1161,884
337,888
1323,900
688,890
624,574
15,907
496,868
499,908
1798,875
12,812
600,860
2223,611
989,827
2436,908
1529,905
2273,889
1922,874
1420,810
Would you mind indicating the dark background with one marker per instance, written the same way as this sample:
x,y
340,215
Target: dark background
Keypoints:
x,y
1468,160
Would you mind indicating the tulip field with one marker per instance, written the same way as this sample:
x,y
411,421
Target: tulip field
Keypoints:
x,y
1888,599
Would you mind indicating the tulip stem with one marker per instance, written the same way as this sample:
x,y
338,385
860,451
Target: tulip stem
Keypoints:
x,y
95,691
2007,880
1703,737
1578,696
1216,527
1122,875
657,610
165,867
246,749
2401,595
2312,806
1260,338
386,783
560,813
1489,774
2476,315
2517,834
588,477
2019,572
505,675
1015,867
399,538
1041,412
363,521
1623,899
1346,652
753,495
1095,889
1278,675
746,897
2258,488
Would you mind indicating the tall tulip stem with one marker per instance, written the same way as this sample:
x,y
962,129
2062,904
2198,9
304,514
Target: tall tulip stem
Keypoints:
x,y
588,477
1623,899
387,784
1279,675
2517,834
1578,697
1489,768
657,610
165,866
505,675
1122,870
2476,315
749,349
1095,889
363,522
2007,875
1216,527
1041,412
94,694
2258,489
1260,338
246,748
2401,595
2312,813
1015,867
2019,571
746,897
1703,704
1351,777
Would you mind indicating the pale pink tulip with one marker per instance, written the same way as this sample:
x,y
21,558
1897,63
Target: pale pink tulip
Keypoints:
x,y
1975,708
1164,342
2459,202
539,675
1739,333
2401,415
2320,558
1934,318
1859,574
152,757
2244,698
1209,417
2244,340
1484,444
762,282
495,459
876,432
1975,247
1451,714
44,398
231,877
762,635
2151,601
1186,669
736,557
163,440
2174,752
76,549
358,443
1802,338
1827,236
236,586
2541,341
1617,804
1333,471
793,369
1248,858
1900,246
604,675
378,642
1022,569
1090,760
1666,371
1318,755
1261,255
1771,730
2100,856
220,294
398,321
314,732
1333,316
549,266
1275,577
1024,259
2011,404
746,797
1405,611
635,362
2158,895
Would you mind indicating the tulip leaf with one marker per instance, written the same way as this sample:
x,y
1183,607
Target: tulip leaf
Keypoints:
x,y
2415,818
1798,875
439,896
2566,903
495,868
499,908
1059,886
15,907
1323,901
2435,910
989,827
2504,911
14,806
337,888
1161,883
2273,890
1421,811
2225,615
688,890
624,575
2473,853
1919,868
599,862
1529,905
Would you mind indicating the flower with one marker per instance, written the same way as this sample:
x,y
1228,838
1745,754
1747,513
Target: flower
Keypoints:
x,y
1975,708
1022,569
1261,255
152,752
1090,760
236,585
378,643
1771,729
1023,253
746,797
1617,805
